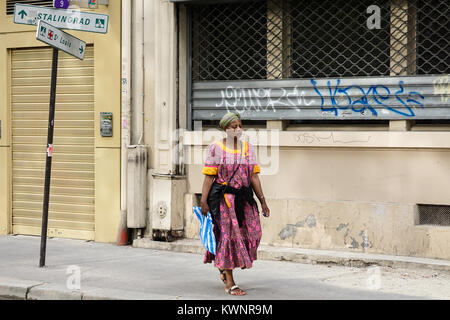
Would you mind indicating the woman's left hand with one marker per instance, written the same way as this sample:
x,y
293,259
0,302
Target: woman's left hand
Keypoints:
x,y
265,209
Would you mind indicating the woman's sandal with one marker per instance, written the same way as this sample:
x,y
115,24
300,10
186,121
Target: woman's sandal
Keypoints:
x,y
223,276
234,291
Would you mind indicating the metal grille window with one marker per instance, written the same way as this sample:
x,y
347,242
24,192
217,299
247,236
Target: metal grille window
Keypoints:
x,y
282,39
434,215
331,39
230,41
10,4
433,37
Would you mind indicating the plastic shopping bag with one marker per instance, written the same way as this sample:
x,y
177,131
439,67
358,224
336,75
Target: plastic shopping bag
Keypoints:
x,y
206,230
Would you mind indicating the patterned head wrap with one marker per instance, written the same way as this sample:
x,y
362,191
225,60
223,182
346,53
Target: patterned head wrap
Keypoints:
x,y
229,118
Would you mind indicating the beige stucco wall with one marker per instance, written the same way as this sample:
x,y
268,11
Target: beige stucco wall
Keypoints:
x,y
5,223
160,102
107,75
166,186
352,191
5,203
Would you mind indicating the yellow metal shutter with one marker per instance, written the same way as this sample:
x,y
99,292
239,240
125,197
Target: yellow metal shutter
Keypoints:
x,y
72,196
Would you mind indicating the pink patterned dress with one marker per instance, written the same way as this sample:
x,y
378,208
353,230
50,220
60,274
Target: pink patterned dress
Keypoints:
x,y
236,246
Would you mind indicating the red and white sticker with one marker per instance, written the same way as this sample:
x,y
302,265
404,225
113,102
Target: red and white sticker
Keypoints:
x,y
50,150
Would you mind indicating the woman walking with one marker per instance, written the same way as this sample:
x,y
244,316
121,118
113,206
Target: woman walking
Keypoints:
x,y
231,175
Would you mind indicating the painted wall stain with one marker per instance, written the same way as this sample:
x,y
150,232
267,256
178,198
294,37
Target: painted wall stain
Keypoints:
x,y
300,224
287,232
355,244
342,226
310,221
365,242
347,232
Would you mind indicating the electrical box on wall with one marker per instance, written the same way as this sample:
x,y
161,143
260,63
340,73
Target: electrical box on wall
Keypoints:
x,y
106,124
167,204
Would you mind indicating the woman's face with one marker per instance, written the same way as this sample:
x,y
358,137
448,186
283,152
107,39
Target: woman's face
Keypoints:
x,y
234,130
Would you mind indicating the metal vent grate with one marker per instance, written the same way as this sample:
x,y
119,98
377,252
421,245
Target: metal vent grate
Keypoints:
x,y
434,214
281,39
10,4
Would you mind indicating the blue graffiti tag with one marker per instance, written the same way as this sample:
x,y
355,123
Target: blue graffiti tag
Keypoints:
x,y
342,99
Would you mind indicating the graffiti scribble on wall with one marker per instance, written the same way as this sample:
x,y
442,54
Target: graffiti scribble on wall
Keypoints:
x,y
332,97
261,99
358,99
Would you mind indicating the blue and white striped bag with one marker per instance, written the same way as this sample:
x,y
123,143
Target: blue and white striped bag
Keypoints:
x,y
206,230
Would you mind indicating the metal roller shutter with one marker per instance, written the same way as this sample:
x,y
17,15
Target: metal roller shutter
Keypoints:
x,y
72,193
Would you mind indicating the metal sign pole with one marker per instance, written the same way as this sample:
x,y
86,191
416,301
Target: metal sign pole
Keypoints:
x,y
48,165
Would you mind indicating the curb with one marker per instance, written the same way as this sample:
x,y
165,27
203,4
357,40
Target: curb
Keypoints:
x,y
309,256
16,289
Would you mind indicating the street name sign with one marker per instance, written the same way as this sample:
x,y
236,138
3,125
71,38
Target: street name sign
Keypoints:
x,y
60,40
61,18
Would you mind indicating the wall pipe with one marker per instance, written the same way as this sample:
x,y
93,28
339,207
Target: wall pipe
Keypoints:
x,y
122,237
137,71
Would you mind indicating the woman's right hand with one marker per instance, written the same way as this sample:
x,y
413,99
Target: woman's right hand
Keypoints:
x,y
207,183
204,208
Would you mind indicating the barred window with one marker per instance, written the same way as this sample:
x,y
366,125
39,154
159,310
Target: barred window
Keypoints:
x,y
230,41
282,39
331,39
433,35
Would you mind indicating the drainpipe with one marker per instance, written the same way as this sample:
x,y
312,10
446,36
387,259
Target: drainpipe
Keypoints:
x,y
137,82
122,237
137,75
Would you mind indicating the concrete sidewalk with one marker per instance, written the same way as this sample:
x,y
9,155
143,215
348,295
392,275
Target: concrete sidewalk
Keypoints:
x,y
310,256
107,271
